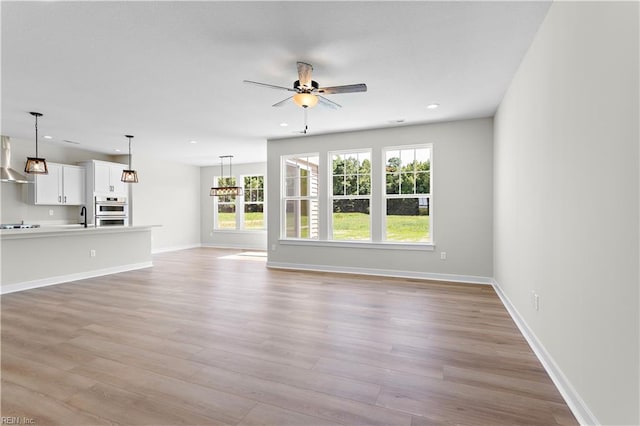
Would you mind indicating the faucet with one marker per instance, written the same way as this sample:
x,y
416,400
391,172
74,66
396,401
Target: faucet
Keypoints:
x,y
83,212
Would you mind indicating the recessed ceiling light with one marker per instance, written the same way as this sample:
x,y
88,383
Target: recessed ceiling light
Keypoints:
x,y
193,141
116,150
283,124
48,137
433,106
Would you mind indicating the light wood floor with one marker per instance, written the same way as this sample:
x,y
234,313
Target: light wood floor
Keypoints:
x,y
205,339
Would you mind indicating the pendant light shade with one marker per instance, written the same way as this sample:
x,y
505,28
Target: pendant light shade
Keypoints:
x,y
36,165
220,191
129,176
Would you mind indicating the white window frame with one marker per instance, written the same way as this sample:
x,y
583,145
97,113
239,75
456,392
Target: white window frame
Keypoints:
x,y
216,203
284,197
331,197
243,203
239,205
385,196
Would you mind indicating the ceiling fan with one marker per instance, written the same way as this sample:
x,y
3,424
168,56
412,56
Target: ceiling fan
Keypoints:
x,y
308,92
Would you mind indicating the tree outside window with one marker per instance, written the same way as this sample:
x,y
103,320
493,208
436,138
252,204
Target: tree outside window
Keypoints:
x,y
225,206
253,202
351,196
408,194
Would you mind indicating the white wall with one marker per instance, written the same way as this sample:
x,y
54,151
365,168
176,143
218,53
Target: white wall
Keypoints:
x,y
566,201
14,205
167,194
222,238
462,203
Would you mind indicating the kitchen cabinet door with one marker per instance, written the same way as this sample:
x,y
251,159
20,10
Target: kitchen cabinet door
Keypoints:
x,y
107,179
73,184
102,178
118,186
48,188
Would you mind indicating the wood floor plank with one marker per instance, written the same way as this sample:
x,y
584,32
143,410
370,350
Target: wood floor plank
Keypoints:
x,y
268,415
316,404
60,384
209,402
123,407
290,375
208,337
37,408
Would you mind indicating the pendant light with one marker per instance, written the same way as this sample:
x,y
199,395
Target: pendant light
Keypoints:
x,y
129,176
36,165
225,190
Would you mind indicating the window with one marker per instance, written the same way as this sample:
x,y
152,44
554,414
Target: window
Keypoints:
x,y
381,198
245,212
253,202
300,200
350,197
407,194
225,206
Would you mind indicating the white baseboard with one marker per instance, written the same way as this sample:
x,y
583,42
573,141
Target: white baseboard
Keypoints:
x,y
468,279
572,398
27,285
234,246
175,248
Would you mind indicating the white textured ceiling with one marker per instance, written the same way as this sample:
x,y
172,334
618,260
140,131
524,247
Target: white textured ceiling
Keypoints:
x,y
171,72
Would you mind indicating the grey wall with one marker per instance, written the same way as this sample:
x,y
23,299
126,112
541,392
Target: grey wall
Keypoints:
x,y
168,195
66,254
222,238
462,202
566,200
14,196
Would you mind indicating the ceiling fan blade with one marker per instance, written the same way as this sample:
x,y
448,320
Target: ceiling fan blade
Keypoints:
x,y
349,88
326,102
282,102
271,86
304,74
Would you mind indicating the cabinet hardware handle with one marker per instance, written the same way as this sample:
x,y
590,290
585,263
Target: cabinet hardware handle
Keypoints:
x,y
65,198
59,199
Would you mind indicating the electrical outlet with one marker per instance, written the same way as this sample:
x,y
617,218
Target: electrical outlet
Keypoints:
x,y
443,255
92,253
273,247
50,212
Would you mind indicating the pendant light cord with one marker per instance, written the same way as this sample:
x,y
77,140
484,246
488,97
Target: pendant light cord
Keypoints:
x,y
37,136
129,152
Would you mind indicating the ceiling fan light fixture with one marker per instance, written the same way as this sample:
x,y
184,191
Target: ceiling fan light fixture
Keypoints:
x,y
305,100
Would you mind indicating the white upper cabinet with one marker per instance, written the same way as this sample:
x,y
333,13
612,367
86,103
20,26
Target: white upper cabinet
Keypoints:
x,y
105,178
64,185
74,180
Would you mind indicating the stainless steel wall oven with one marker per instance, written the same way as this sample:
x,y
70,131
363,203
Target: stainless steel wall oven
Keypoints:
x,y
111,211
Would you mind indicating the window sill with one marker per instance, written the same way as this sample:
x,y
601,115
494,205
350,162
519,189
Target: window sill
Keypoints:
x,y
359,244
238,231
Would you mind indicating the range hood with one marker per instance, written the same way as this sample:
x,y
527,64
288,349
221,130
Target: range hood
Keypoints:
x,y
7,174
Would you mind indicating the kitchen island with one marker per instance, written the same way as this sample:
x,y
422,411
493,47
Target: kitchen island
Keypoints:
x,y
49,255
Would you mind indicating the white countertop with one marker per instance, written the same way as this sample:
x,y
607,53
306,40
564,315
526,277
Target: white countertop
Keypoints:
x,y
68,230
